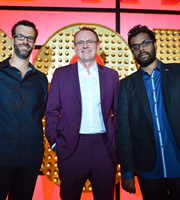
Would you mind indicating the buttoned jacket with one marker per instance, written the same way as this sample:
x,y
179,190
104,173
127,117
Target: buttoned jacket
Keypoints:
x,y
64,111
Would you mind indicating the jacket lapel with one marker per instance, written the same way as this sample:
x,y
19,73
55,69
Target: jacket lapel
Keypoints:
x,y
142,95
75,80
165,81
102,82
76,84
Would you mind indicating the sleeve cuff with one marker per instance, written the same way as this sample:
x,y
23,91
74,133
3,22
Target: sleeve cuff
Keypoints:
x,y
53,147
128,175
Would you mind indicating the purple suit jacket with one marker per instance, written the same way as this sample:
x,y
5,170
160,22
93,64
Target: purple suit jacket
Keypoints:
x,y
63,111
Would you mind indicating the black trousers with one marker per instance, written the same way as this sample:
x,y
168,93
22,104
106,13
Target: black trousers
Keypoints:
x,y
160,189
18,183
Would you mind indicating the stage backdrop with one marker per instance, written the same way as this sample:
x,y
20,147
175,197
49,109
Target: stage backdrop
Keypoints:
x,y
119,16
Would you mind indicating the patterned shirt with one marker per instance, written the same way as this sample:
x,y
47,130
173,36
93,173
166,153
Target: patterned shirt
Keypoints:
x,y
22,105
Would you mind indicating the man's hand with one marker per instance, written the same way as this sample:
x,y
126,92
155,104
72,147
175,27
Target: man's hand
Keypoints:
x,y
129,185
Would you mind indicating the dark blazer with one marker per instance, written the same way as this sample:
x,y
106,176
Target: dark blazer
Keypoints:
x,y
63,111
136,141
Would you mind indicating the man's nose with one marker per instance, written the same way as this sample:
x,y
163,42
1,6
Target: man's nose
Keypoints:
x,y
141,48
25,40
85,44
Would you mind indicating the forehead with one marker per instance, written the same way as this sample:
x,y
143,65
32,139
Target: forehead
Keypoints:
x,y
85,35
139,38
25,30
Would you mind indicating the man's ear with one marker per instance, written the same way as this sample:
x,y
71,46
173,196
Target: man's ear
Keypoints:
x,y
155,46
75,49
98,46
34,45
12,41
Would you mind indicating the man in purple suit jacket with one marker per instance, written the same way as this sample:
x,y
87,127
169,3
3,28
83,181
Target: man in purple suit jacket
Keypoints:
x,y
81,121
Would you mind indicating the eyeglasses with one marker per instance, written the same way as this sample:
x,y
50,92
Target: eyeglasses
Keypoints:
x,y
144,43
87,42
22,37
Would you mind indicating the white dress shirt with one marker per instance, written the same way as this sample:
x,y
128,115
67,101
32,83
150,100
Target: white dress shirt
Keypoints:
x,y
92,119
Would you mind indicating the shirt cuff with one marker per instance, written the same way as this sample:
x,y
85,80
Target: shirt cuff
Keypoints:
x,y
53,147
128,175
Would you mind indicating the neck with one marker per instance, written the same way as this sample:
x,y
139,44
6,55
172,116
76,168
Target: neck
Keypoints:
x,y
87,65
19,63
150,67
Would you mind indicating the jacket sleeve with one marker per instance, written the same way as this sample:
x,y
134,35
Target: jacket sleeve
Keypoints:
x,y
116,91
45,95
53,109
124,142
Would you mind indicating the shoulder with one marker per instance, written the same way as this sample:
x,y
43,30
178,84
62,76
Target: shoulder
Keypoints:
x,y
171,65
41,76
108,70
65,69
64,73
174,68
131,77
131,81
4,62
105,68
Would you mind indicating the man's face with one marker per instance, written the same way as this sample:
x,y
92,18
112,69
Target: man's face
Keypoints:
x,y
86,46
144,55
23,48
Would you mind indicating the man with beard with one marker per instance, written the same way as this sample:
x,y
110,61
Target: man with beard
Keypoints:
x,y
148,122
23,96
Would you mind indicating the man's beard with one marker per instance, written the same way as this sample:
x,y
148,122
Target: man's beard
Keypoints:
x,y
145,62
22,54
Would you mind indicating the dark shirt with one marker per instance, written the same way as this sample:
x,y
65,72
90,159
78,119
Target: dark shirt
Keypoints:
x,y
168,156
22,105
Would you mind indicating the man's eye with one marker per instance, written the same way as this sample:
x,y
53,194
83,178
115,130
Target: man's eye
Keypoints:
x,y
30,38
80,42
20,36
135,46
146,42
90,41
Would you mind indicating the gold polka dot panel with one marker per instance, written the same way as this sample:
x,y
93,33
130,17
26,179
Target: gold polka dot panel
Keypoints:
x,y
6,48
58,50
168,45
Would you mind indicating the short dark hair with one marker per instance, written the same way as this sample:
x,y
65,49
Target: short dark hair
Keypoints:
x,y
140,29
24,23
85,28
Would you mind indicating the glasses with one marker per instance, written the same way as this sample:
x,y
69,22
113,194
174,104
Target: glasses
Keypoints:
x,y
22,37
144,43
87,42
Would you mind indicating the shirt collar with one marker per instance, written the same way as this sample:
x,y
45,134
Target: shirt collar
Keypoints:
x,y
94,67
31,67
5,63
158,67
